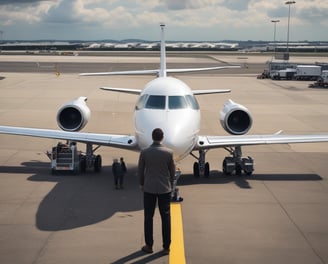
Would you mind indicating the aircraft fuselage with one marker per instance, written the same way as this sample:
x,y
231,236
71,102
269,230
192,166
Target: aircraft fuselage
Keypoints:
x,y
169,104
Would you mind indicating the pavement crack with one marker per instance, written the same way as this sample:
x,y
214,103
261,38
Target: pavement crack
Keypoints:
x,y
295,224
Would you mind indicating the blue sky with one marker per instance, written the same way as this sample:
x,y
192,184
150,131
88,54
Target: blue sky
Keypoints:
x,y
199,20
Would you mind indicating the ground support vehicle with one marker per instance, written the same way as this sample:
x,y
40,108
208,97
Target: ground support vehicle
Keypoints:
x,y
307,72
64,157
322,81
264,75
287,74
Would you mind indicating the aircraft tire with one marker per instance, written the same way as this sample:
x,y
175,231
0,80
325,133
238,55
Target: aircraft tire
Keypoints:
x,y
238,170
97,165
224,168
83,164
207,170
196,170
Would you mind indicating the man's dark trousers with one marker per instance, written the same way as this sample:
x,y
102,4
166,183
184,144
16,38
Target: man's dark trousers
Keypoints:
x,y
164,209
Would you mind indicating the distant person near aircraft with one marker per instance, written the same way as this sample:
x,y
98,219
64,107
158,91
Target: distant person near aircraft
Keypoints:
x,y
123,172
116,169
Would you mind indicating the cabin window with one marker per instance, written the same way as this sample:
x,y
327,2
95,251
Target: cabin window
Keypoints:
x,y
177,102
192,102
156,102
141,102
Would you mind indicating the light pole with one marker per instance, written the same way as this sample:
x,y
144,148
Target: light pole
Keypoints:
x,y
275,21
289,3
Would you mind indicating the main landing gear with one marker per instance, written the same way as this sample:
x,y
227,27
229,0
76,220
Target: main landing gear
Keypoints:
x,y
236,163
231,164
90,160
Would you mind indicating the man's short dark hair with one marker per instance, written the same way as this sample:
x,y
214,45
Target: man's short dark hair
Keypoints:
x,y
157,134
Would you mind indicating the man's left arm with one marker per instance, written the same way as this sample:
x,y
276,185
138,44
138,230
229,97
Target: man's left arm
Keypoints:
x,y
172,170
141,170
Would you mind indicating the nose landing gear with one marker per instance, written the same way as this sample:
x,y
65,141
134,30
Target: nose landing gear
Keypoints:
x,y
201,167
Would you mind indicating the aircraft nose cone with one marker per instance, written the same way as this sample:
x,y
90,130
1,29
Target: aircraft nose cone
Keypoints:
x,y
179,141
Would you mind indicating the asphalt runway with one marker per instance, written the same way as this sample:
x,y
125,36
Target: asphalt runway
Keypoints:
x,y
278,215
78,64
120,61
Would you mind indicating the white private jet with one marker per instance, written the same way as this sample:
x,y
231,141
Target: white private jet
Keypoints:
x,y
170,104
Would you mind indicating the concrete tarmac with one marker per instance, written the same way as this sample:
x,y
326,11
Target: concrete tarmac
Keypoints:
x,y
278,215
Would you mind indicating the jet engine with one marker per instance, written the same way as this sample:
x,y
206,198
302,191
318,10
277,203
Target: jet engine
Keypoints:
x,y
74,115
235,118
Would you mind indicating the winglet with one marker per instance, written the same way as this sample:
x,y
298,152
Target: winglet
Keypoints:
x,y
162,71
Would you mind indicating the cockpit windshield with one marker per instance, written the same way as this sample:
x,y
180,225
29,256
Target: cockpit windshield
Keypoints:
x,y
174,102
156,102
141,102
192,102
177,102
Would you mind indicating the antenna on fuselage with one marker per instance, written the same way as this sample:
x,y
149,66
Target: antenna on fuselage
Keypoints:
x,y
162,71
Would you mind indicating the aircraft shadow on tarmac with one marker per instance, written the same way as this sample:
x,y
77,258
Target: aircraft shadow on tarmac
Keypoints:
x,y
81,200
243,181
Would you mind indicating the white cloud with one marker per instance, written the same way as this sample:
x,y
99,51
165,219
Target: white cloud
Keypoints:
x,y
208,19
28,11
187,4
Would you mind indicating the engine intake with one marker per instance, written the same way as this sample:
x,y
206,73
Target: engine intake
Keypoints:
x,y
74,115
235,118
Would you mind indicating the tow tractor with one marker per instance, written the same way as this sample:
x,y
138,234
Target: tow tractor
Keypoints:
x,y
322,81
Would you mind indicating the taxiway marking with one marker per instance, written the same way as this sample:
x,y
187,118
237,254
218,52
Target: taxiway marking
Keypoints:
x,y
177,253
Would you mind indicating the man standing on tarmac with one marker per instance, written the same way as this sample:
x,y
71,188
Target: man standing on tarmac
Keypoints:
x,y
156,170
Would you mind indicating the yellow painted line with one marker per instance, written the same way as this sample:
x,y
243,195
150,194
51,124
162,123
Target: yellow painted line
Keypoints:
x,y
177,253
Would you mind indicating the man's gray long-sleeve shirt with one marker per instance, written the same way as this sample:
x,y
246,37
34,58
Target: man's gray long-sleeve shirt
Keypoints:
x,y
156,169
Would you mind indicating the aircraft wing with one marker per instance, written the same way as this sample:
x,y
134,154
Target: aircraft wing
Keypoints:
x,y
138,91
113,140
122,90
208,142
157,71
202,69
136,72
212,91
